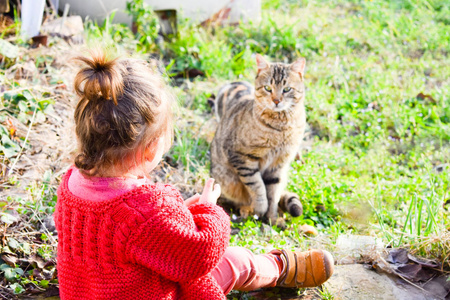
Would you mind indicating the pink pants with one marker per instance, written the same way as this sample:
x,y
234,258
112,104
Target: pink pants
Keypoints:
x,y
242,270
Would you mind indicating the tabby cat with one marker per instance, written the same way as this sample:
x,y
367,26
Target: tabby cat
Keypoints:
x,y
259,134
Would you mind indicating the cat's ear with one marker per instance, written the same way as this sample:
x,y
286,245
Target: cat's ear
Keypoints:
x,y
261,63
298,66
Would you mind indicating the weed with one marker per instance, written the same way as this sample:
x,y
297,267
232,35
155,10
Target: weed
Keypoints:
x,y
145,23
324,293
26,107
189,149
110,35
27,262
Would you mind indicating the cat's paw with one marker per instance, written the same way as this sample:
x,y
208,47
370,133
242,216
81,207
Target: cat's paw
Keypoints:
x,y
281,223
245,211
260,207
277,221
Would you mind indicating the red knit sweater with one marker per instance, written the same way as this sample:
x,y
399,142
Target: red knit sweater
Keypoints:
x,y
144,244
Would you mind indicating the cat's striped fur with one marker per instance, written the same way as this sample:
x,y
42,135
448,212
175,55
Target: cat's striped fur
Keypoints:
x,y
259,133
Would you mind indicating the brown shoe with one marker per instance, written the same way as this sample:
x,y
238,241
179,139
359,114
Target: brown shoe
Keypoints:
x,y
304,269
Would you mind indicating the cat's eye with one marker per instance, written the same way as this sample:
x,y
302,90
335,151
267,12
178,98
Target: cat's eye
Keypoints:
x,y
268,88
286,89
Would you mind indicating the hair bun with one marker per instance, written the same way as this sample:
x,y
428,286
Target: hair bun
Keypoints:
x,y
100,79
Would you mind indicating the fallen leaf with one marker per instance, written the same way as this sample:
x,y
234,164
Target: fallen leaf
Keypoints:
x,y
10,216
398,256
414,272
410,267
11,127
50,263
52,291
8,50
48,275
37,261
424,262
13,244
9,258
37,274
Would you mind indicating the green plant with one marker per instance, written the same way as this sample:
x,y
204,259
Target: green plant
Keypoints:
x,y
26,107
28,260
110,34
324,293
189,149
422,218
146,25
41,200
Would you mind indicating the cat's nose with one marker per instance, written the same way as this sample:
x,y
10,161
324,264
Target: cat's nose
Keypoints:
x,y
276,101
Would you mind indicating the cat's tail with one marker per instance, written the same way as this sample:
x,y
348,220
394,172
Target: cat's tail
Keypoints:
x,y
230,92
291,203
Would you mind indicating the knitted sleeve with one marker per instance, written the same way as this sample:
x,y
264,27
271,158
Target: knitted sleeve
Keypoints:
x,y
178,242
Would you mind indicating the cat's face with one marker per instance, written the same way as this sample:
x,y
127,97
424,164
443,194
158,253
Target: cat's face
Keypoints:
x,y
279,87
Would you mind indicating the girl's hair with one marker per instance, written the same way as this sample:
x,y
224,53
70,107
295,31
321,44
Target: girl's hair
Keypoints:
x,y
124,106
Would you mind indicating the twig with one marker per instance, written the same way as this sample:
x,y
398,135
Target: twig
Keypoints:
x,y
49,235
7,292
36,87
24,143
65,13
22,233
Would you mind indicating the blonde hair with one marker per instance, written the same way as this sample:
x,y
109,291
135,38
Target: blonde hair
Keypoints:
x,y
124,105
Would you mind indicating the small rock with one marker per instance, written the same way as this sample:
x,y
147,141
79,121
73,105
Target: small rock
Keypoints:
x,y
73,26
354,282
356,245
308,230
346,260
8,50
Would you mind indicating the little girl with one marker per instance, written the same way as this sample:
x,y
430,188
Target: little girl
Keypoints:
x,y
122,236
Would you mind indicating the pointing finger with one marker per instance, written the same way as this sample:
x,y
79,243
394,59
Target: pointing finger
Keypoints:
x,y
208,185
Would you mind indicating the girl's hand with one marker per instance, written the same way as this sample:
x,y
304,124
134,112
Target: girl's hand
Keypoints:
x,y
192,200
211,192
